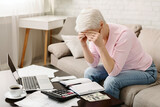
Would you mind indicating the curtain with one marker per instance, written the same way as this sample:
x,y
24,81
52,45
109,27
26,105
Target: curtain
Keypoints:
x,y
12,37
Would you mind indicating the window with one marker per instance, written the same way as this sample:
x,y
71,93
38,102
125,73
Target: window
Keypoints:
x,y
20,7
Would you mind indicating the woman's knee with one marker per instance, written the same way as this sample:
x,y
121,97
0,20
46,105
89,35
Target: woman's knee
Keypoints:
x,y
88,72
93,74
96,74
110,82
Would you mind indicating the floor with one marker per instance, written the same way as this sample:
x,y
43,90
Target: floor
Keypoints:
x,y
41,62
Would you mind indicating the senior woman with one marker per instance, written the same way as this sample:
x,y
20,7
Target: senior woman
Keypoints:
x,y
124,62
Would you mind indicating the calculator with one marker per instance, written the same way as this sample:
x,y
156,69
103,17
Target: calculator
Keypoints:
x,y
60,94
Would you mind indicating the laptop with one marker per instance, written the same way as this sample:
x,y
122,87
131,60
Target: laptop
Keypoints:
x,y
30,83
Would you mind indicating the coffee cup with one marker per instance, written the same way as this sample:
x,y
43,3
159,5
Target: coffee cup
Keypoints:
x,y
16,90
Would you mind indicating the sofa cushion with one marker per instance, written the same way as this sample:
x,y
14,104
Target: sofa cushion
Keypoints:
x,y
150,39
72,66
59,50
128,94
74,45
148,97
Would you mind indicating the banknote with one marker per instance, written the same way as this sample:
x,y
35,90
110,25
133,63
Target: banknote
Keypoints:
x,y
95,97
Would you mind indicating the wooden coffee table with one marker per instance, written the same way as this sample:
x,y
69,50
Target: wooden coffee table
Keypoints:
x,y
6,79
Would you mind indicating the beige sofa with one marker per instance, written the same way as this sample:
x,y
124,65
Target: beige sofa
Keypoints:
x,y
136,95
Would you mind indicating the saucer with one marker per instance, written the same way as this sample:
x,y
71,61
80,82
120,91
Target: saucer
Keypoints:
x,y
9,96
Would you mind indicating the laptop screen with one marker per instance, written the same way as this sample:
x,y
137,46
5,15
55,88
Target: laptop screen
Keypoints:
x,y
13,69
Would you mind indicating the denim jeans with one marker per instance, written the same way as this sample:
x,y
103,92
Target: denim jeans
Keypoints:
x,y
113,84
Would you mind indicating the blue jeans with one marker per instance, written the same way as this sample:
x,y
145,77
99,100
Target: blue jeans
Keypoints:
x,y
113,85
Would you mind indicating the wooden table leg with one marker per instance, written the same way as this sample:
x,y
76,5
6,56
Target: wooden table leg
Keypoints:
x,y
50,36
45,47
24,46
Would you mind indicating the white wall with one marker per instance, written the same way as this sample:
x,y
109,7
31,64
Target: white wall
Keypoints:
x,y
144,12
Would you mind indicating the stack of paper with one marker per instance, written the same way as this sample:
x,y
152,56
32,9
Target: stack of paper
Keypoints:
x,y
34,70
37,99
82,86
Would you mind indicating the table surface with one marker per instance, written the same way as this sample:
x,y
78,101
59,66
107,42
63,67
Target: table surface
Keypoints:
x,y
46,18
46,22
7,79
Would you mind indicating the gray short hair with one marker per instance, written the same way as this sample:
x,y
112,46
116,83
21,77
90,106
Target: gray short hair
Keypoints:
x,y
88,19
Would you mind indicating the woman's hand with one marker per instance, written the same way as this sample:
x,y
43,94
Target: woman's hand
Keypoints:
x,y
83,39
95,37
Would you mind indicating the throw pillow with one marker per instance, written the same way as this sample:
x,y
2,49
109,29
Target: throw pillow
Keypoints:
x,y
59,50
74,45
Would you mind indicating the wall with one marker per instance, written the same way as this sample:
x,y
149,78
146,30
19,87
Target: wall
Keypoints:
x,y
144,12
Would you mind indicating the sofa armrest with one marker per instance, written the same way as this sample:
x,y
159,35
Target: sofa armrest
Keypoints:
x,y
59,50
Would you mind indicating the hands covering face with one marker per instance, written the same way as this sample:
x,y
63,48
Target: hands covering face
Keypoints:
x,y
82,39
93,36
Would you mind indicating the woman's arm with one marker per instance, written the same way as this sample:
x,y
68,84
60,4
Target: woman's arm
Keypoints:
x,y
87,54
90,54
107,60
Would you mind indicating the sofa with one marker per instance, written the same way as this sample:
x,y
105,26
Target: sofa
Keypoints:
x,y
63,57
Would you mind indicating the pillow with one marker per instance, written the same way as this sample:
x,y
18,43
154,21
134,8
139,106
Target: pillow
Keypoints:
x,y
59,50
135,27
74,45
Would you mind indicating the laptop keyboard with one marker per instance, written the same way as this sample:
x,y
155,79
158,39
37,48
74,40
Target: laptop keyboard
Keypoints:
x,y
30,83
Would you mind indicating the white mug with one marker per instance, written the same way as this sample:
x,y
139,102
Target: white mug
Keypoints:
x,y
16,90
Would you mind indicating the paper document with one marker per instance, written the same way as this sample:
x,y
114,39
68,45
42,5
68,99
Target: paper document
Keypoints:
x,y
75,81
86,88
37,99
62,78
34,70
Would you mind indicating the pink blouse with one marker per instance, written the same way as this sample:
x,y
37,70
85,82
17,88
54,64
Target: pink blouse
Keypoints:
x,y
123,46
